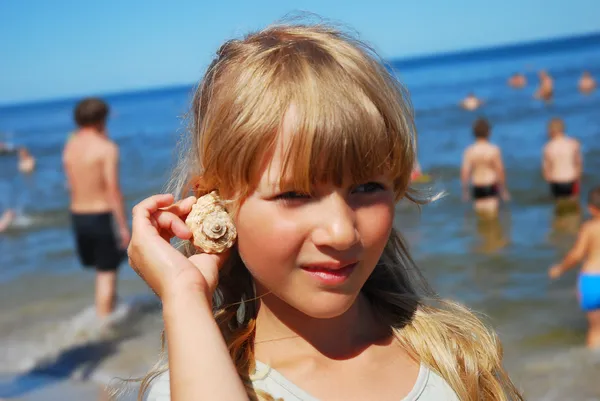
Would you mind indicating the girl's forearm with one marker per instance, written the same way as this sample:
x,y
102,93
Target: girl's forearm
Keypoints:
x,y
199,363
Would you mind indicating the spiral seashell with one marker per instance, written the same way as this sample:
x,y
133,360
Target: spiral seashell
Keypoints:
x,y
212,228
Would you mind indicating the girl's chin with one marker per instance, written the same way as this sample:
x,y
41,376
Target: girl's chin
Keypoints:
x,y
324,306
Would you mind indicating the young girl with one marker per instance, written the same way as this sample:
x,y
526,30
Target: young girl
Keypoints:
x,y
311,142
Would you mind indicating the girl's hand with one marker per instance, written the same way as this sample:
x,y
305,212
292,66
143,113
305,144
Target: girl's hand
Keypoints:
x,y
166,270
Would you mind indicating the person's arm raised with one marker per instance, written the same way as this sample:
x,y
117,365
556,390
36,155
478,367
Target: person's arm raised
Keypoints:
x,y
200,366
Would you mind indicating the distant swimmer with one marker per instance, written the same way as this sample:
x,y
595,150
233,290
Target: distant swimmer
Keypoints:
x,y
26,161
545,89
6,219
517,81
587,247
91,162
483,172
587,84
471,102
562,165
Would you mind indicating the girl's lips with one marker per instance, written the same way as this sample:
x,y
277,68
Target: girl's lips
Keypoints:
x,y
329,275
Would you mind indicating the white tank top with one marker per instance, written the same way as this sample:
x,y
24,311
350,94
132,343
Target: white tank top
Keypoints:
x,y
428,387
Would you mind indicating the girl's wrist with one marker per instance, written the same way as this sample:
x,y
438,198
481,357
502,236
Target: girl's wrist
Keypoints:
x,y
182,298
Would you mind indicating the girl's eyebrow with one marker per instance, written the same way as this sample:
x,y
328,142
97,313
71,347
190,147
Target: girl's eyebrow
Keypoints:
x,y
280,185
276,181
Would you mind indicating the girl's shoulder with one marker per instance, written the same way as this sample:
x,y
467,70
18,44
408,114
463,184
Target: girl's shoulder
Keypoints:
x,y
428,387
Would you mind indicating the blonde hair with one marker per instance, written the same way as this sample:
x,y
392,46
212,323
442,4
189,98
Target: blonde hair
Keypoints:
x,y
353,117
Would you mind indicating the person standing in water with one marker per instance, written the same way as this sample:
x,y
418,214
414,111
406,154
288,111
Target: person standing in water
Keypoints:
x,y
483,171
587,246
562,164
26,161
586,84
91,162
545,89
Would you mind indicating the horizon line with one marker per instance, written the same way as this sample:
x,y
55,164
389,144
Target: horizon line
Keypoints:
x,y
413,60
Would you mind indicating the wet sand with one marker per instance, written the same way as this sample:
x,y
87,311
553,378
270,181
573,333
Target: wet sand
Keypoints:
x,y
51,389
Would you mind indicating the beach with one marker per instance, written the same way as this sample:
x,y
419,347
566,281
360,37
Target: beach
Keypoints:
x,y
52,348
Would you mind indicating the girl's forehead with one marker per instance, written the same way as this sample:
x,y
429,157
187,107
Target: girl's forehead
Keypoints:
x,y
324,158
273,161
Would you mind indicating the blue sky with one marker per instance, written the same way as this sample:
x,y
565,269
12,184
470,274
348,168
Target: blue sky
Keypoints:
x,y
58,48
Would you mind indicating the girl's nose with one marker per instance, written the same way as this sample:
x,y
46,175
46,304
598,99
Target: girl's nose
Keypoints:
x,y
336,225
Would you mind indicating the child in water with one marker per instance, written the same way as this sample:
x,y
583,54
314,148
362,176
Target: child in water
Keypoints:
x,y
311,142
483,172
587,246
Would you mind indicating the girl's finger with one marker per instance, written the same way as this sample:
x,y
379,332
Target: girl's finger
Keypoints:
x,y
187,203
170,222
182,207
150,205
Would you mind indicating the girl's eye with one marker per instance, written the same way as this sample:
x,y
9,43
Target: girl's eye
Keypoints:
x,y
369,187
291,195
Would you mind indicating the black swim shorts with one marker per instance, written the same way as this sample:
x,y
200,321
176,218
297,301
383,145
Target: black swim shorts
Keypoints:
x,y
564,189
484,191
97,243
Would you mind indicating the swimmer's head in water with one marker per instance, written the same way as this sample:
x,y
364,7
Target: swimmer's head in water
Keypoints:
x,y
556,126
23,152
481,128
352,118
91,113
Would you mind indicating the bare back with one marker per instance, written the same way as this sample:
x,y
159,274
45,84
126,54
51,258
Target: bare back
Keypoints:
x,y
483,159
562,160
85,160
591,238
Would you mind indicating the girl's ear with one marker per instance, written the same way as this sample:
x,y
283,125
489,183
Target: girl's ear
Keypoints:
x,y
195,186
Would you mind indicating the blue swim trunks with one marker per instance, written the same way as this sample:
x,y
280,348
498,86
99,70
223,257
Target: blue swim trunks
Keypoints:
x,y
589,291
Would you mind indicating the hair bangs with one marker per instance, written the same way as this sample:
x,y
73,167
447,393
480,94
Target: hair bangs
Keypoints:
x,y
341,134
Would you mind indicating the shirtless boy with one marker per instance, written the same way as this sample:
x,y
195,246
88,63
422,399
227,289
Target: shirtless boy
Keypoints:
x,y
562,162
587,246
91,163
545,89
483,169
